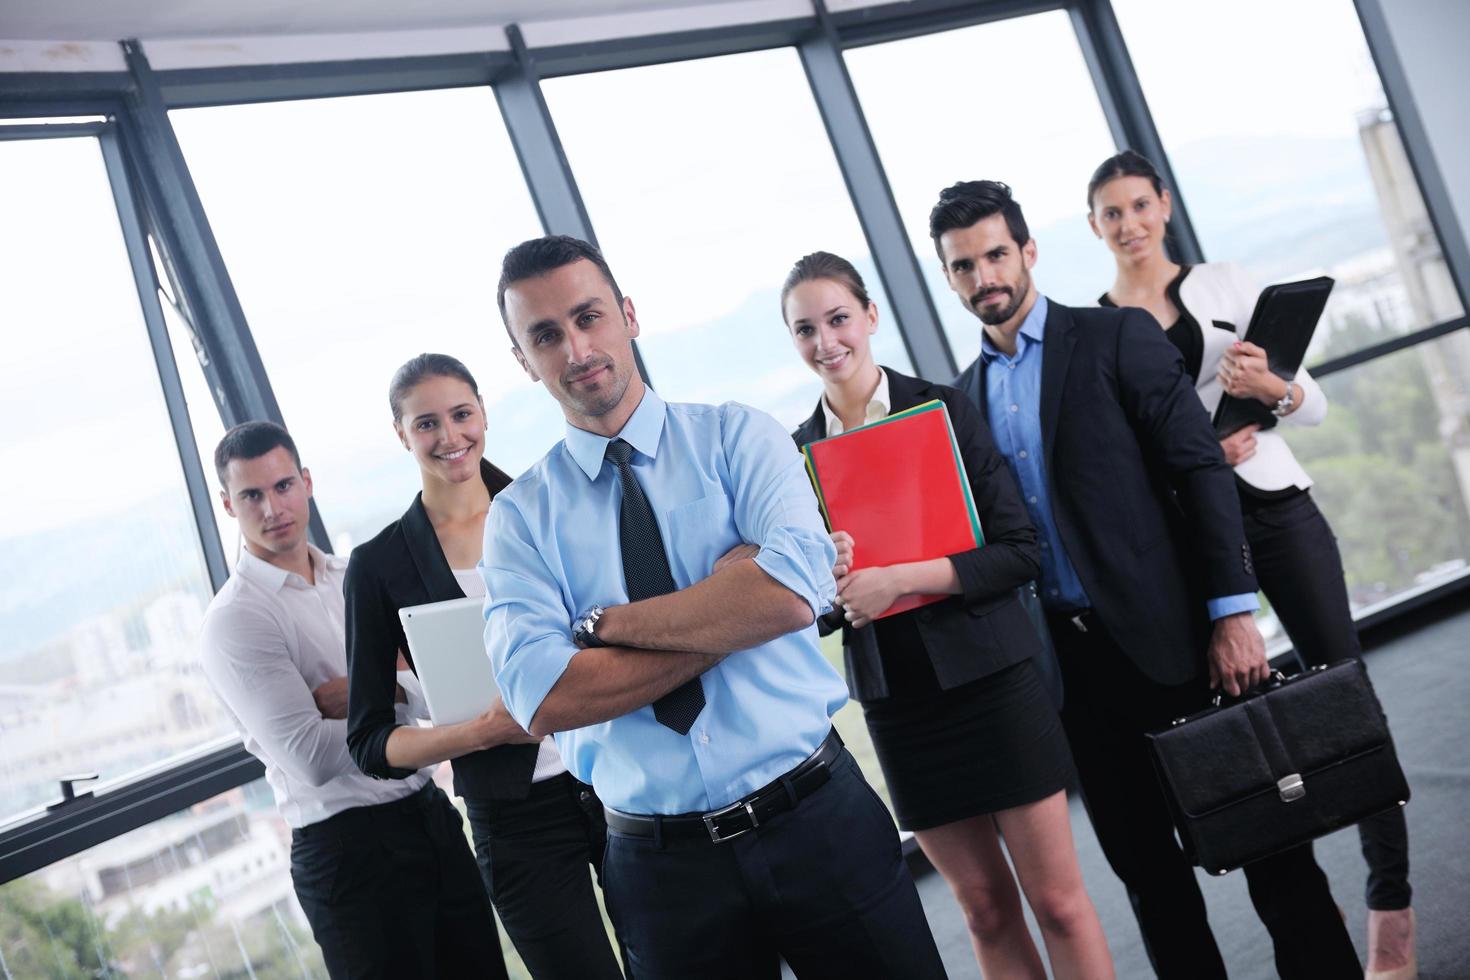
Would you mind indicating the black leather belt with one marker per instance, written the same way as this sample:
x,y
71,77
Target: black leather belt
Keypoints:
x,y
746,813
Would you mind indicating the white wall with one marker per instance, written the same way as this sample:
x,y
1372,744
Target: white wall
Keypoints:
x,y
1430,37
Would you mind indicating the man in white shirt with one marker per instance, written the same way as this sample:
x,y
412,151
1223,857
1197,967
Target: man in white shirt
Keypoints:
x,y
381,867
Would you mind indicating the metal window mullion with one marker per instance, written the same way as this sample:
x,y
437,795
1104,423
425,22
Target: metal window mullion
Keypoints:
x,y
539,151
31,842
1415,138
1126,110
168,372
872,198
48,131
237,374
1392,346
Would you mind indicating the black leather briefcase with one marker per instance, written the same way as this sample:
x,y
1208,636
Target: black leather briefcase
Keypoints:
x,y
1297,759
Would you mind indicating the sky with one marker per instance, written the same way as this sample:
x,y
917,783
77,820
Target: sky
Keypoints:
x,y
361,231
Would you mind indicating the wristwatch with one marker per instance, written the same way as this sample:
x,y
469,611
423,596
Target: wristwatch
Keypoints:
x,y
1283,406
584,628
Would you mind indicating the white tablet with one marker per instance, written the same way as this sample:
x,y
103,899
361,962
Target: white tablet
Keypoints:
x,y
448,647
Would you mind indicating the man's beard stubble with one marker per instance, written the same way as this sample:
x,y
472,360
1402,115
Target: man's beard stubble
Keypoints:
x,y
1001,314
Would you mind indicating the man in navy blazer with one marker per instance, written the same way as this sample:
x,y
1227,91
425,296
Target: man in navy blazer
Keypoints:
x,y
1146,576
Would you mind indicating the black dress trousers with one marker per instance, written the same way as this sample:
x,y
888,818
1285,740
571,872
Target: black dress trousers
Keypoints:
x,y
823,885
392,892
1300,570
1110,705
538,857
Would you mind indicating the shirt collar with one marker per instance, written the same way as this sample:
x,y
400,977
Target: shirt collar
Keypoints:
x,y
642,431
878,407
1033,330
272,577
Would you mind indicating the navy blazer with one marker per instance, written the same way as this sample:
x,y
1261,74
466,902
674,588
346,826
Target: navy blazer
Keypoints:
x,y
1142,497
984,629
404,566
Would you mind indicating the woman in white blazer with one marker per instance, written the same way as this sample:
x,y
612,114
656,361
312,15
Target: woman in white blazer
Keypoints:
x,y
1205,310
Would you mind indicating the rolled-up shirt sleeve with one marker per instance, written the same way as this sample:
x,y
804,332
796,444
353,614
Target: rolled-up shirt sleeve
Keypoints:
x,y
245,659
527,623
775,507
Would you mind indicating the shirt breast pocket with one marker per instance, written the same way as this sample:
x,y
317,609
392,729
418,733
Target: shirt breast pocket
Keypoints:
x,y
699,532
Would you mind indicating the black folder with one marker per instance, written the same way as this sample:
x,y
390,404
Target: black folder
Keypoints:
x,y
1285,318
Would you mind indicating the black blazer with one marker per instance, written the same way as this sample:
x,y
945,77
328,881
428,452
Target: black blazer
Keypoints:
x,y
404,566
1143,500
974,634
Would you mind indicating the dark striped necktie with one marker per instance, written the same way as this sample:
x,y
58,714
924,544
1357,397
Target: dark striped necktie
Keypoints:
x,y
646,574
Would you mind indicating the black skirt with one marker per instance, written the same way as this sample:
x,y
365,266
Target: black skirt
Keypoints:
x,y
989,745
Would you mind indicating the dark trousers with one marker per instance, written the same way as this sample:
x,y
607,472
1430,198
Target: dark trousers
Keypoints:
x,y
1300,570
823,885
391,891
1110,704
534,856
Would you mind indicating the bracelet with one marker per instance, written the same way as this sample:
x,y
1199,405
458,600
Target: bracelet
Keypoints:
x,y
1283,405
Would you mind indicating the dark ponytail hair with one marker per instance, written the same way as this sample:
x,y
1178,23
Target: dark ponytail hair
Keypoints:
x,y
421,368
1125,164
824,265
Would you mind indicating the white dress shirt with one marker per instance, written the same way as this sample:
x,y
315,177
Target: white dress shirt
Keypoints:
x,y
269,639
548,760
877,407
1222,291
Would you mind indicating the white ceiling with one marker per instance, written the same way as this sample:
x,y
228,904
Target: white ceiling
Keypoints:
x,y
97,20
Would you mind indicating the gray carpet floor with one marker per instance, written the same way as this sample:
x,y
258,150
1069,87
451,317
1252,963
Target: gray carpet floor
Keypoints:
x,y
1423,680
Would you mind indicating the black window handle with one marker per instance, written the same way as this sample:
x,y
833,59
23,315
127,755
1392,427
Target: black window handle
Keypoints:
x,y
69,792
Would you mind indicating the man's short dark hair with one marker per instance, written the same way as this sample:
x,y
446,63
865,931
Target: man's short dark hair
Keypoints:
x,y
962,205
542,255
251,440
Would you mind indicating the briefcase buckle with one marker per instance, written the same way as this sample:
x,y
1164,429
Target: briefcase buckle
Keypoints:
x,y
1291,788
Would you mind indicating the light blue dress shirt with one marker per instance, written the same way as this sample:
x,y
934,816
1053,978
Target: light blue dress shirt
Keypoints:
x,y
715,477
1013,397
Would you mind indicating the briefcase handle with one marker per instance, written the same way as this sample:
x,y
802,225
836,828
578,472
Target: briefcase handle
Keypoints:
x,y
1276,679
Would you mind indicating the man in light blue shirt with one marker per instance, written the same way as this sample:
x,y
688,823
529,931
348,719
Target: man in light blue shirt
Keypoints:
x,y
653,584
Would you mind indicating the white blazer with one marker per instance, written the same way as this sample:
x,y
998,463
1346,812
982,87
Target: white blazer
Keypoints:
x,y
1220,293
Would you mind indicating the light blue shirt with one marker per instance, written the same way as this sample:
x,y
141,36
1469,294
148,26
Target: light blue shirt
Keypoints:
x,y
715,477
1013,397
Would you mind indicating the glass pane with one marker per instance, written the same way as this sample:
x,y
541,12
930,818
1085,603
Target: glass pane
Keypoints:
x,y
720,178
102,582
205,893
1294,167
955,106
358,233
1392,468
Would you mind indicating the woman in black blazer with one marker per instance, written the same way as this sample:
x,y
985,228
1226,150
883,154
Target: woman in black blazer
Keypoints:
x,y
969,742
535,827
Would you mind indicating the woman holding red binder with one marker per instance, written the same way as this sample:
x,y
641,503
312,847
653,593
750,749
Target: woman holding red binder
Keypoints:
x,y
970,745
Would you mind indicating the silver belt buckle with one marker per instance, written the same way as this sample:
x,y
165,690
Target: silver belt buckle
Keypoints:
x,y
1291,788
714,831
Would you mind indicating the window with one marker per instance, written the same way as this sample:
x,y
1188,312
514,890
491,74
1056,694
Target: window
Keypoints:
x,y
1392,466
359,232
1289,160
1009,101
706,181
102,579
203,893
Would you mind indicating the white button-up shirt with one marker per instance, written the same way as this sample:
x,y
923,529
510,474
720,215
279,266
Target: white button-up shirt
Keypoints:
x,y
877,407
269,639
